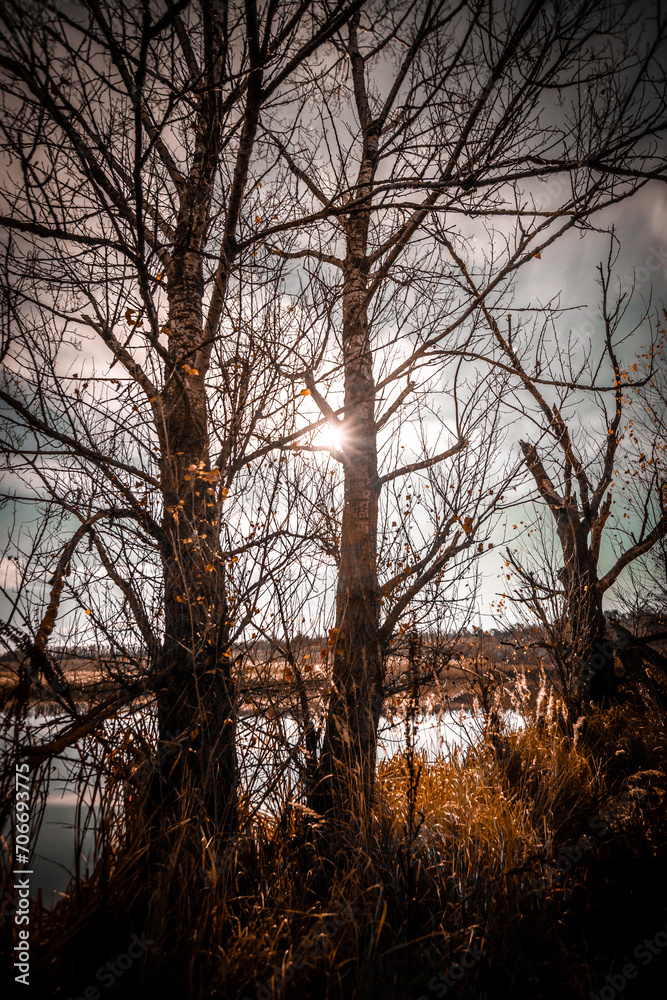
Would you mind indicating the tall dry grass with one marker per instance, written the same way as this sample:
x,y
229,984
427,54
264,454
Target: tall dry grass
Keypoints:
x,y
542,850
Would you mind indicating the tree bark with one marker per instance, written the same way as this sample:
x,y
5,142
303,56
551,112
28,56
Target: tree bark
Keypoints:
x,y
349,750
347,761
197,708
583,623
593,661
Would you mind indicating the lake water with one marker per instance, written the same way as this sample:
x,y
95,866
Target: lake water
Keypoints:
x,y
261,744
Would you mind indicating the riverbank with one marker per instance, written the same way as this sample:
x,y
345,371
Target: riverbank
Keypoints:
x,y
530,868
475,674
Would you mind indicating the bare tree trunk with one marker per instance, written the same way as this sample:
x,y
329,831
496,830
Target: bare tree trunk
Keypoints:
x,y
197,707
593,666
347,762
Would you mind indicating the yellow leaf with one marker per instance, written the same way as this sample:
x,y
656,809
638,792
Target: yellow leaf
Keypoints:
x,y
257,218
210,567
305,392
180,600
87,612
539,256
152,399
158,276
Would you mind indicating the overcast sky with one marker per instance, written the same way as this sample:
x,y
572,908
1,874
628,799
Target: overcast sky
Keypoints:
x,y
568,268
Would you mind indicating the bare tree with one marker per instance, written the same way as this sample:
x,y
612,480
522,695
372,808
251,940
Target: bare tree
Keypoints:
x,y
580,476
140,363
438,126
141,144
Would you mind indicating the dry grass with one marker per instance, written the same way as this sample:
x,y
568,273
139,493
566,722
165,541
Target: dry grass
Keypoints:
x,y
483,862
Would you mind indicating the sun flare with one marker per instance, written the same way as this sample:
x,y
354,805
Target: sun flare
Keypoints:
x,y
332,437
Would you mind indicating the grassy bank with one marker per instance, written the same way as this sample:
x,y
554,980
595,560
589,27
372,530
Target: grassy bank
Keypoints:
x,y
531,866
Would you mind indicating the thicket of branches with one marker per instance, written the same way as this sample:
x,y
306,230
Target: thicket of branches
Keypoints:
x,y
261,351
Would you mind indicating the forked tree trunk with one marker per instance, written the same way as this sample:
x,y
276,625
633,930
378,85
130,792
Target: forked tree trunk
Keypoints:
x,y
591,660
